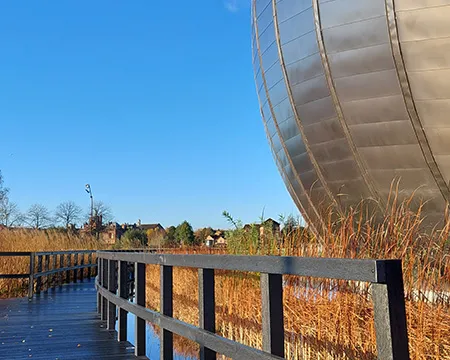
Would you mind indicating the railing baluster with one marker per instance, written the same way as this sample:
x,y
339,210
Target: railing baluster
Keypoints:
x,y
69,264
75,271
166,289
47,268
139,291
105,286
272,313
207,311
89,267
52,284
31,278
100,281
112,287
390,314
39,279
82,269
95,270
61,266
123,293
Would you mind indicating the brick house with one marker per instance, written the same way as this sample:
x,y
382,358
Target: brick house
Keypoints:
x,y
113,231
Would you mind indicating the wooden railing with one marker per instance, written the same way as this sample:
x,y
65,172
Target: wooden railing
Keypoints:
x,y
64,266
113,295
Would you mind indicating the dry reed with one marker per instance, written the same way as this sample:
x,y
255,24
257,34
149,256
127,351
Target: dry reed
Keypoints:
x,y
324,319
329,319
34,240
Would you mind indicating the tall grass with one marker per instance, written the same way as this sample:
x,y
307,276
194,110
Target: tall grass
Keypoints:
x,y
324,319
34,240
331,319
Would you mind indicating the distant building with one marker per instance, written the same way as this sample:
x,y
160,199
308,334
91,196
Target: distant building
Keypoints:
x,y
113,231
267,225
216,239
94,224
155,227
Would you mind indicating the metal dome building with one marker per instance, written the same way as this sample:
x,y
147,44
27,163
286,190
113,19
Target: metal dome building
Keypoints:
x,y
353,95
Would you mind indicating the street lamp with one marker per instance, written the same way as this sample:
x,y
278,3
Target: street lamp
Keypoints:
x,y
89,191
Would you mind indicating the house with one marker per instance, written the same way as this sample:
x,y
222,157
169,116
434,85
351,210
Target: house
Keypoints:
x,y
216,239
155,227
269,224
113,231
94,225
272,225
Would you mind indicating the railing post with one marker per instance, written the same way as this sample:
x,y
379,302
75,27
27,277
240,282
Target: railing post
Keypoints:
x,y
75,271
95,269
105,286
206,311
31,278
139,291
82,269
54,267
112,287
89,267
39,279
123,293
100,281
166,289
272,313
130,281
61,266
69,264
47,268
390,313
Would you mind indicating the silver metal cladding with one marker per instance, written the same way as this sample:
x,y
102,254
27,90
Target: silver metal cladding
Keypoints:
x,y
354,96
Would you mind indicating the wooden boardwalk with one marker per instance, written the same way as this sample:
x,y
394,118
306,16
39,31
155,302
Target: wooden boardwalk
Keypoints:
x,y
60,324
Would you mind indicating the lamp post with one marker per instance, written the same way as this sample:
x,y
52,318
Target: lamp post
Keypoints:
x,y
89,191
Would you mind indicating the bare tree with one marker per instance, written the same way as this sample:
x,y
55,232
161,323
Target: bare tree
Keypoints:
x,y
10,214
67,213
38,216
4,192
103,210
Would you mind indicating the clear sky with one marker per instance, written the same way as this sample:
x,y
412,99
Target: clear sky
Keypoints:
x,y
151,102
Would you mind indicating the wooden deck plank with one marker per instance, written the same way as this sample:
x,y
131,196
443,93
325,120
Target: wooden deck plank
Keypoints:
x,y
59,324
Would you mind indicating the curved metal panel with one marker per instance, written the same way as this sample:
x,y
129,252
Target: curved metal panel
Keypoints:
x,y
290,147
306,84
374,88
337,101
424,33
293,183
340,115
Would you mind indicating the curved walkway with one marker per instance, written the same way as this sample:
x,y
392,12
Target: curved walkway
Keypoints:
x,y
60,324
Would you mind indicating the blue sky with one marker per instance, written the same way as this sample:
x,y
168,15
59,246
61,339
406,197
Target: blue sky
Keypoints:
x,y
151,102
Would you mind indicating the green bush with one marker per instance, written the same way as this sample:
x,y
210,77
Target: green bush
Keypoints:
x,y
133,238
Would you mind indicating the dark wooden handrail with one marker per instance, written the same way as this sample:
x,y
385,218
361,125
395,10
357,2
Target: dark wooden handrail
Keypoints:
x,y
112,287
36,273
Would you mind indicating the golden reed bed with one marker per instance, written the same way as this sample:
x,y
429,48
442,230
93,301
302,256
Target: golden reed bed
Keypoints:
x,y
323,319
327,319
34,240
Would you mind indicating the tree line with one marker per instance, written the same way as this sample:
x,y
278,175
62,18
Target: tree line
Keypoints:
x,y
39,216
181,235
